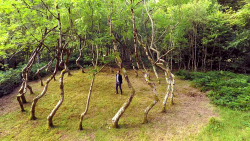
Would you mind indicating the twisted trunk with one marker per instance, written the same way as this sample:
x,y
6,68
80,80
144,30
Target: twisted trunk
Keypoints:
x,y
156,99
80,55
38,71
35,100
120,112
28,68
53,112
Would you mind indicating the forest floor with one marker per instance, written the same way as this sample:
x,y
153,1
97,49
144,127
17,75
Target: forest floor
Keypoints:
x,y
185,120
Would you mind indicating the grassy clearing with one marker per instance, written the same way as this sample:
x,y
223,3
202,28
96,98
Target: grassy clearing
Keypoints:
x,y
231,126
182,121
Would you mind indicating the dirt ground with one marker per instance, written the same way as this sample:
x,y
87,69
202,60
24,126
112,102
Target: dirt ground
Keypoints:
x,y
187,116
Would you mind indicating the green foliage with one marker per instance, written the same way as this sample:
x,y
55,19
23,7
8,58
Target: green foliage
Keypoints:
x,y
11,78
183,74
215,125
227,88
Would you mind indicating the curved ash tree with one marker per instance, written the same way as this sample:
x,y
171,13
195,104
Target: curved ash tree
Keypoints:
x,y
160,63
145,72
118,60
63,64
42,68
35,100
26,70
94,72
80,55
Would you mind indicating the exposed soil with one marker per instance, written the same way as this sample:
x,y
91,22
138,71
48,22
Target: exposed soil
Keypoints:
x,y
190,112
8,103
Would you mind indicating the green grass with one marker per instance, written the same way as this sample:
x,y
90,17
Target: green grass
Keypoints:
x,y
104,103
103,106
231,126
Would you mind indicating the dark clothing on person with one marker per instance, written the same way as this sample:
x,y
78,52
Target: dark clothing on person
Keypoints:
x,y
119,78
118,83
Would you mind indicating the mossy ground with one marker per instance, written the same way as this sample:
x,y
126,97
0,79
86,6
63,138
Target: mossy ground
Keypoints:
x,y
186,119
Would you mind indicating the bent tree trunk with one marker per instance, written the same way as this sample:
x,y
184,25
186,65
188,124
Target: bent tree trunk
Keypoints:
x,y
20,97
53,112
117,116
156,99
90,89
87,105
170,89
156,74
27,69
38,71
35,100
77,60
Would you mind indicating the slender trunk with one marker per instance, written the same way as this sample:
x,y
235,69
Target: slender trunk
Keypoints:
x,y
172,89
35,100
53,112
156,74
168,92
38,71
87,105
205,58
156,99
38,58
134,39
93,55
118,115
195,49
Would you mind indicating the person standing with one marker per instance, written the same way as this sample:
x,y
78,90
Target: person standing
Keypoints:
x,y
118,82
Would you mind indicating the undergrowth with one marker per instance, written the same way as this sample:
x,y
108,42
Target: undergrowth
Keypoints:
x,y
226,88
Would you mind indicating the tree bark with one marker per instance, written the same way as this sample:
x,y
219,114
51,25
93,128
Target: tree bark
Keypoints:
x,y
53,112
156,99
172,89
35,100
28,68
38,71
80,55
117,116
87,105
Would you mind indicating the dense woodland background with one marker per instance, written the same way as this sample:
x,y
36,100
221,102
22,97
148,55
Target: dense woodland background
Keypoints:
x,y
204,34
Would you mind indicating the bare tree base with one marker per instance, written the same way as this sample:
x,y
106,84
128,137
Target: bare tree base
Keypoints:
x,y
50,124
33,118
20,103
115,125
80,126
163,110
145,120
